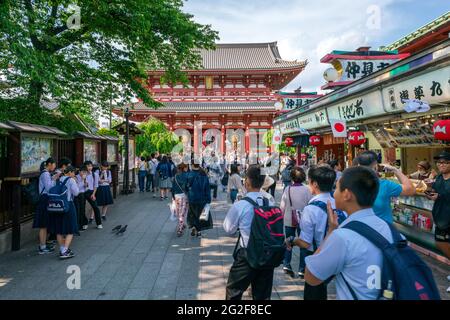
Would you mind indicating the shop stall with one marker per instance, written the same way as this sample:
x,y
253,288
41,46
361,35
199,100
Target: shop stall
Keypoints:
x,y
27,146
87,148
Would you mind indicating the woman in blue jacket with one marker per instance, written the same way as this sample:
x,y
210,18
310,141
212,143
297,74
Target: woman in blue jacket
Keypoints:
x,y
165,177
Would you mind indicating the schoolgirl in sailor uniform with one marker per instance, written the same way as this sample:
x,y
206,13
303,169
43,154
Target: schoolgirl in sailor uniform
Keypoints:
x,y
104,195
91,193
66,224
41,217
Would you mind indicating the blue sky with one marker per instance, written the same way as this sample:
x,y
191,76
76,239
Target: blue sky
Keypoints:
x,y
310,29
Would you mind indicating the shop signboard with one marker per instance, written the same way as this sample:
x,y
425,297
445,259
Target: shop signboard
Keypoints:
x,y
361,107
296,103
313,120
432,87
352,70
289,126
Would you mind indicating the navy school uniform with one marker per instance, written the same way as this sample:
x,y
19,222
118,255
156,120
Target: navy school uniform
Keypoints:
x,y
66,223
104,195
41,217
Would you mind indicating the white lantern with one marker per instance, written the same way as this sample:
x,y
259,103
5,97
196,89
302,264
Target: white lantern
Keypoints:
x,y
331,75
278,105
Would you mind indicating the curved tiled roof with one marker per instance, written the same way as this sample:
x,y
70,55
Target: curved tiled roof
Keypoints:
x,y
210,106
246,56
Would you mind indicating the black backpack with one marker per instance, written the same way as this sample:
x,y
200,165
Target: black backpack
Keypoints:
x,y
266,244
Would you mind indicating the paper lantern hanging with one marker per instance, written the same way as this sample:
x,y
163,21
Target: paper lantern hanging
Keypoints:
x,y
289,142
441,130
314,140
356,138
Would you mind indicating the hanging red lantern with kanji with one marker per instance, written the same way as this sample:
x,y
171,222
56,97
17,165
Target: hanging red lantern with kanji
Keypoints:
x,y
441,130
356,138
314,140
289,142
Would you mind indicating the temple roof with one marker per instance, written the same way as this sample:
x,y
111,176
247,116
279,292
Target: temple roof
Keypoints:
x,y
190,107
239,56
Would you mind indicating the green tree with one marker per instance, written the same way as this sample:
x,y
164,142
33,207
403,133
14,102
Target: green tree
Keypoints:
x,y
50,50
155,137
267,139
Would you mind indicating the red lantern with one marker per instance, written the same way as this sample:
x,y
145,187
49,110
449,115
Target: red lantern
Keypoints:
x,y
314,140
441,130
356,138
289,142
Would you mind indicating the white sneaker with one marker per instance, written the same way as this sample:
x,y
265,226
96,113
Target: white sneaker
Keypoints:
x,y
84,227
448,290
99,226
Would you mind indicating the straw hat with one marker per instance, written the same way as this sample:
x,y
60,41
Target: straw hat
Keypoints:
x,y
268,181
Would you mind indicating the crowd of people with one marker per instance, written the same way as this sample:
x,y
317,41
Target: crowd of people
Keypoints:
x,y
321,205
61,208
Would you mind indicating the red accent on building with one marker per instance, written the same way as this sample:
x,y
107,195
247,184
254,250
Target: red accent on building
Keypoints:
x,y
234,90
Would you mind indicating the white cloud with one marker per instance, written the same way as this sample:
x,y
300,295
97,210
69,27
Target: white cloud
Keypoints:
x,y
304,30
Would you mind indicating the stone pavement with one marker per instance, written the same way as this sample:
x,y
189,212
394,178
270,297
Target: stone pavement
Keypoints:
x,y
147,262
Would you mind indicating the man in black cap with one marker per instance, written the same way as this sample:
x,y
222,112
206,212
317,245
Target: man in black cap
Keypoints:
x,y
441,209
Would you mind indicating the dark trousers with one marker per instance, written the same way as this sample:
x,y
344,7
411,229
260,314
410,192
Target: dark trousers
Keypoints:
x,y
141,177
194,212
233,195
80,205
242,275
272,189
149,185
290,231
214,189
98,218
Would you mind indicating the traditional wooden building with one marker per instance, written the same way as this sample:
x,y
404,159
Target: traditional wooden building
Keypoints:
x,y
233,95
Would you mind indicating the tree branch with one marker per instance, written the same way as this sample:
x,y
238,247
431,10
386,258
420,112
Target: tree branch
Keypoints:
x,y
34,39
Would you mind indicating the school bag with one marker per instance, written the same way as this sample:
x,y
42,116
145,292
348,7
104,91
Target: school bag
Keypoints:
x,y
411,278
57,197
266,244
286,174
322,205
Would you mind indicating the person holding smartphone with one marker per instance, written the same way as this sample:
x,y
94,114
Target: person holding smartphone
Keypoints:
x,y
440,194
388,189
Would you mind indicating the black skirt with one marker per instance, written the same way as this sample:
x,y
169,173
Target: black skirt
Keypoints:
x,y
41,217
104,196
64,223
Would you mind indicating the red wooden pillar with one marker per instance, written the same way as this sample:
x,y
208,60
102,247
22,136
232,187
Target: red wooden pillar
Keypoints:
x,y
247,140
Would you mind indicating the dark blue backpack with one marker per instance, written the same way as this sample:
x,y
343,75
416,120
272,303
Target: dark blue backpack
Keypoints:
x,y
57,197
322,205
411,277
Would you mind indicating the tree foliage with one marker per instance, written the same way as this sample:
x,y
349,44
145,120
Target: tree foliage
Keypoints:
x,y
44,53
155,137
267,139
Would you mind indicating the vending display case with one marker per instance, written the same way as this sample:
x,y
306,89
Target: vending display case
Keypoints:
x,y
110,153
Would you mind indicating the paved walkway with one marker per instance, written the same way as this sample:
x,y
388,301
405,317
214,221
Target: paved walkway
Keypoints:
x,y
147,262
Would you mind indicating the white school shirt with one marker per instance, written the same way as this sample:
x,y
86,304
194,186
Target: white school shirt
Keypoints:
x,y
313,221
81,183
155,164
240,216
108,179
45,182
92,180
72,188
349,253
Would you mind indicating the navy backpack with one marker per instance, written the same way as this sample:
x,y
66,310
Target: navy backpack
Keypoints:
x,y
411,277
57,197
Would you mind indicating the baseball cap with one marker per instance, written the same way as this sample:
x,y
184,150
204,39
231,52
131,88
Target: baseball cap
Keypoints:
x,y
443,155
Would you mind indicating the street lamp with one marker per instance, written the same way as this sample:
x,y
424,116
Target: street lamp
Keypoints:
x,y
126,172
